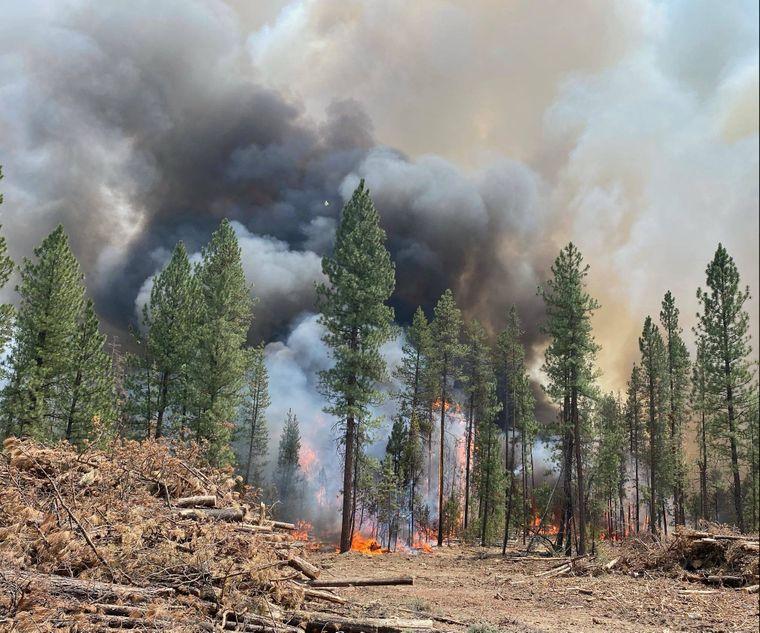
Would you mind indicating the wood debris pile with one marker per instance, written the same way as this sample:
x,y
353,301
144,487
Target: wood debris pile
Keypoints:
x,y
145,536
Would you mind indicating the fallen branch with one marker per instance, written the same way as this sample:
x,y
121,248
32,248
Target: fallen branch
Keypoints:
x,y
328,623
362,582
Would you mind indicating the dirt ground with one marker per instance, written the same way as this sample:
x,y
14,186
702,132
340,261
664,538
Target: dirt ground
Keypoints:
x,y
477,586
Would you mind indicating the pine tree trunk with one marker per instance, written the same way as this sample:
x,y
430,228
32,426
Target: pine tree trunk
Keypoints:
x,y
703,468
73,407
468,448
652,456
162,404
524,486
444,375
735,458
636,476
579,470
348,487
254,420
487,495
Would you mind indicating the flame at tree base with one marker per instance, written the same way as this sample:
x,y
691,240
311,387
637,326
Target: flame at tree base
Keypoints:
x,y
366,545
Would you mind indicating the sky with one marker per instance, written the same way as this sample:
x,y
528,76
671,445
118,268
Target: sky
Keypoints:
x,y
490,133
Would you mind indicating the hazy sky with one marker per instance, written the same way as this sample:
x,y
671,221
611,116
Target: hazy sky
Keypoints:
x,y
490,133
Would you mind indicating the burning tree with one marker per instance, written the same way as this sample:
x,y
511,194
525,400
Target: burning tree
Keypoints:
x,y
357,322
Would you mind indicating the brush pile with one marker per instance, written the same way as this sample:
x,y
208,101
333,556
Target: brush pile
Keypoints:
x,y
145,536
715,556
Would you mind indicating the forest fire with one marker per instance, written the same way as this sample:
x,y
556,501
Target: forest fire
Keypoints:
x,y
301,533
366,545
537,527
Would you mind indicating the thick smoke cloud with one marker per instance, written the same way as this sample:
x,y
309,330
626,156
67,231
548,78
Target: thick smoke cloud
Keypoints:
x,y
490,134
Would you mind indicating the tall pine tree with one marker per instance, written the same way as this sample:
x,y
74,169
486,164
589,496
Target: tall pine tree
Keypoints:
x,y
724,326
42,357
169,319
653,378
254,423
569,363
446,353
677,368
357,322
288,479
218,369
88,394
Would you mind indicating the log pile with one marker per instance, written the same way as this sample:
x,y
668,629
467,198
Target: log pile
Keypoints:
x,y
145,536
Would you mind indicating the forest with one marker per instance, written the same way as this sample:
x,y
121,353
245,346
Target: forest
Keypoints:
x,y
677,445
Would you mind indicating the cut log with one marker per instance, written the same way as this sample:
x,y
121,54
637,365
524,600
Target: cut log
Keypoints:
x,y
203,501
728,581
281,525
306,568
90,590
318,594
257,529
319,622
752,589
220,514
611,565
362,582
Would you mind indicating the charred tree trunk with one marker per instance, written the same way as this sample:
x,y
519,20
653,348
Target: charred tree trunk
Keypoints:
x,y
348,486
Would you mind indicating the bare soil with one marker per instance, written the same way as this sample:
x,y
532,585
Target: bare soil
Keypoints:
x,y
477,586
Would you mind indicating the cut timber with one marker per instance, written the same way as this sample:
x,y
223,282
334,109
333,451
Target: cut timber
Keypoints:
x,y
220,514
752,588
305,567
729,581
91,590
611,565
317,594
203,501
329,623
281,525
258,529
362,582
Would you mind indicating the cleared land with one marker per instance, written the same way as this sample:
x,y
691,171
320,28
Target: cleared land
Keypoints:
x,y
478,586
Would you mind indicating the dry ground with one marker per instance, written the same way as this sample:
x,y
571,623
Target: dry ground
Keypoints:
x,y
476,586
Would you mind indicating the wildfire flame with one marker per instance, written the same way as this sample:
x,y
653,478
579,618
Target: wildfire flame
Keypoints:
x,y
366,545
301,533
545,530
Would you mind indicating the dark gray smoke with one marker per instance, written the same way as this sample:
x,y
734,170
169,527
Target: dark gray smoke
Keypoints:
x,y
136,128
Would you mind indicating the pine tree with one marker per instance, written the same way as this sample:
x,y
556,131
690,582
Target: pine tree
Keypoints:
x,y
477,371
700,405
88,391
610,436
357,322
724,324
633,414
288,479
445,355
569,363
653,377
677,368
6,270
413,465
254,424
218,368
42,356
169,320
411,371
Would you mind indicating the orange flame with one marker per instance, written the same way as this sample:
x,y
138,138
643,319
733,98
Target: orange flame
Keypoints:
x,y
301,533
366,545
